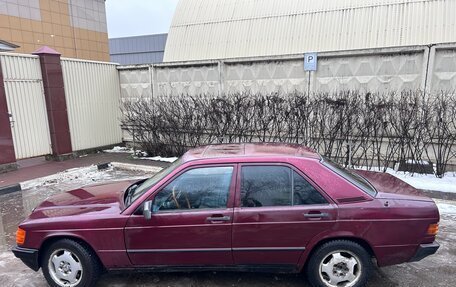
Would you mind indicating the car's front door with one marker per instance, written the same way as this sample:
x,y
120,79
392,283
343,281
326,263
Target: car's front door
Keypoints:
x,y
278,211
191,221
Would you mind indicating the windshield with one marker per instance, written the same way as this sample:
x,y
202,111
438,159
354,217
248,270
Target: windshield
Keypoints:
x,y
354,178
137,191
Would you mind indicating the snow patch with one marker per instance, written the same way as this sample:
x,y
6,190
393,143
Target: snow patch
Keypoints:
x,y
119,149
87,175
139,154
159,158
421,181
445,208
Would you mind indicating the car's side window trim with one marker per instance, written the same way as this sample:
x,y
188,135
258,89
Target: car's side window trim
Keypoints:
x,y
231,190
238,196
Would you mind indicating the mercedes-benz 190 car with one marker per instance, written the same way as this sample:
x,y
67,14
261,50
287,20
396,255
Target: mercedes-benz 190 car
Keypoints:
x,y
241,207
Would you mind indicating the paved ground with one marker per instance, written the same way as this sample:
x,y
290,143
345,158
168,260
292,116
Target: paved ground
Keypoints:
x,y
437,270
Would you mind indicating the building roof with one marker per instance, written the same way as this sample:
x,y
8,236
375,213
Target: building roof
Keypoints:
x,y
134,50
250,150
220,29
7,46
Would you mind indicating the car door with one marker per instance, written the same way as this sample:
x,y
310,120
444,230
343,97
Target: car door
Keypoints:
x,y
277,212
191,221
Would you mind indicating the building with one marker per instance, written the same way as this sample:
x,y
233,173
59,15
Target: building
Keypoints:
x,y
138,50
74,28
218,29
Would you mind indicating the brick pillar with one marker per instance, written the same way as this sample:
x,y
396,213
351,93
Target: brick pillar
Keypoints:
x,y
7,155
54,93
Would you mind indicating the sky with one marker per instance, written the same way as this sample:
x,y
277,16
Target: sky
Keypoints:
x,y
139,17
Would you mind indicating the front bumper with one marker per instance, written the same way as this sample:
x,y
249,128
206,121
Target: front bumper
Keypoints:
x,y
28,256
424,250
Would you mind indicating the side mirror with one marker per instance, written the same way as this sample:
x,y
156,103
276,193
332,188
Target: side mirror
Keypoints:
x,y
147,210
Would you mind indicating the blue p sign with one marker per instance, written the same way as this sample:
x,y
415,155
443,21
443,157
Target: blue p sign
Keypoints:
x,y
310,61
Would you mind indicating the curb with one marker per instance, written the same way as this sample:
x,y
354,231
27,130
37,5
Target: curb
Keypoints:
x,y
10,189
130,166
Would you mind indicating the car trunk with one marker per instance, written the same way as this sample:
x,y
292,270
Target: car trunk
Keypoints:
x,y
389,186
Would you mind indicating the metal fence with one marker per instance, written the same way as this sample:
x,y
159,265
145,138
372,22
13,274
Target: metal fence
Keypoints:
x,y
92,95
26,105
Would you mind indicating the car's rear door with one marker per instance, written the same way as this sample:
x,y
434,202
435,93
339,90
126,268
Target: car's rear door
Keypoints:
x,y
277,211
191,223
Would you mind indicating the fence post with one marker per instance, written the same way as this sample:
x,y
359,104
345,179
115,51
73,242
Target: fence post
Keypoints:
x,y
54,93
7,154
221,71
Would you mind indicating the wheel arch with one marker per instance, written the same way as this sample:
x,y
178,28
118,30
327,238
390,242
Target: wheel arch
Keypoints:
x,y
52,239
364,243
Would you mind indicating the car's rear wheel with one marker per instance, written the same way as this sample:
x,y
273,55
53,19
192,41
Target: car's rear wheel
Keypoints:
x,y
67,263
339,263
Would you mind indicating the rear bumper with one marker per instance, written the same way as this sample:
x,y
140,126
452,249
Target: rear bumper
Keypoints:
x,y
28,256
424,250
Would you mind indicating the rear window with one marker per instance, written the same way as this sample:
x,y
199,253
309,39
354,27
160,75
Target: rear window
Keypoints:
x,y
354,178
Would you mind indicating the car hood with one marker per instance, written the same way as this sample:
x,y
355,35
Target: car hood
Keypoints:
x,y
391,187
93,199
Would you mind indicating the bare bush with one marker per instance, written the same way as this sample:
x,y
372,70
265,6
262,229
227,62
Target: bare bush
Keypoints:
x,y
362,129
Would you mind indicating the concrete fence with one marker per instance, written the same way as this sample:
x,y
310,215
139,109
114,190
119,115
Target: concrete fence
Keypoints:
x,y
431,68
53,106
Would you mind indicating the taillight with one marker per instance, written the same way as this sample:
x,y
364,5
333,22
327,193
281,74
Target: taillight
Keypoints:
x,y
20,236
433,229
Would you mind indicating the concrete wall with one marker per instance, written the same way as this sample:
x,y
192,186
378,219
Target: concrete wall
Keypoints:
x,y
430,68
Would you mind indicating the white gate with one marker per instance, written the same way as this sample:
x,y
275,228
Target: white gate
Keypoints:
x,y
26,105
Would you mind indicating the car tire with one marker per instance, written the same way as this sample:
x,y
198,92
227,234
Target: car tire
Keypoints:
x,y
67,261
339,263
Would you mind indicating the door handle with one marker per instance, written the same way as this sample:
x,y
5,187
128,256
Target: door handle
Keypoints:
x,y
218,218
316,215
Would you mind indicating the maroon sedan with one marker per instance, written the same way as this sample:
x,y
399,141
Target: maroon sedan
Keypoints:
x,y
243,207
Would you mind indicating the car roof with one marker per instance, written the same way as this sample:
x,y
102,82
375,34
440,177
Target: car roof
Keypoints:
x,y
245,150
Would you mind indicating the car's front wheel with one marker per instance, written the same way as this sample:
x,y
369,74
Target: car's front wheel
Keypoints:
x,y
339,263
67,263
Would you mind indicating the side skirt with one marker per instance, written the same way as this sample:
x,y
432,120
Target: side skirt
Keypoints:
x,y
233,268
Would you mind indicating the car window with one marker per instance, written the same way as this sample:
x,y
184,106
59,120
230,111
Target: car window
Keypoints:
x,y
354,178
199,188
304,193
276,186
149,183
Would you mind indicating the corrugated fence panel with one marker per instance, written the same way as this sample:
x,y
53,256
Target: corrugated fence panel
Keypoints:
x,y
26,104
92,91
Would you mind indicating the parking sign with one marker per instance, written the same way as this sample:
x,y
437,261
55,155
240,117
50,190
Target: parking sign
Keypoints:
x,y
310,61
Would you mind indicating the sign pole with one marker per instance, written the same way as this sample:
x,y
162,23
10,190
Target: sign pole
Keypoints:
x,y
310,64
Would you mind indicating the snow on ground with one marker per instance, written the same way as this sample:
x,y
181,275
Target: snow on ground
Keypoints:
x,y
138,154
159,158
119,149
422,181
81,176
446,207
